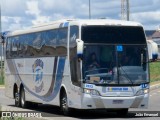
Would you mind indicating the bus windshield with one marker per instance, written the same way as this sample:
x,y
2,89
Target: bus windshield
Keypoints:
x,y
116,63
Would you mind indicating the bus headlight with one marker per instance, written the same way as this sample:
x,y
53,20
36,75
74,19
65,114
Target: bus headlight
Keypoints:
x,y
91,91
142,92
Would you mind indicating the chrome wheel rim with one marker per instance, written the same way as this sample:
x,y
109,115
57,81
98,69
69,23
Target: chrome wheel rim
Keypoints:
x,y
64,103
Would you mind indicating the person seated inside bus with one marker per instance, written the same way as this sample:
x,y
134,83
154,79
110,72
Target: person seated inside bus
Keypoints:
x,y
127,61
93,64
106,56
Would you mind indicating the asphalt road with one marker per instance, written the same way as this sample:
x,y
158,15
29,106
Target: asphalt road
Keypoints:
x,y
154,105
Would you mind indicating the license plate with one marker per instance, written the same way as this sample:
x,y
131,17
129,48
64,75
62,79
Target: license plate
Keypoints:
x,y
117,101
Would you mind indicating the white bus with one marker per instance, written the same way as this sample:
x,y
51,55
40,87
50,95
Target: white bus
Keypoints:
x,y
157,41
152,50
82,64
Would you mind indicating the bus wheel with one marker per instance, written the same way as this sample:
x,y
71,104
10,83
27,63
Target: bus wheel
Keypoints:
x,y
122,112
64,104
17,99
22,98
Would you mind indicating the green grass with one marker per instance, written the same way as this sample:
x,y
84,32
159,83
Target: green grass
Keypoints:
x,y
1,73
155,71
1,78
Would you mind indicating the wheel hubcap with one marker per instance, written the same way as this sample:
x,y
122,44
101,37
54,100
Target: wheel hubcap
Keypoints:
x,y
64,103
16,97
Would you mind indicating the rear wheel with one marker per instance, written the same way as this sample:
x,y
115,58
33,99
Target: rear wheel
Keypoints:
x,y
23,102
64,104
17,99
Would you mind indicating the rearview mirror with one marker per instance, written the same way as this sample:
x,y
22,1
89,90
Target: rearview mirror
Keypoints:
x,y
80,45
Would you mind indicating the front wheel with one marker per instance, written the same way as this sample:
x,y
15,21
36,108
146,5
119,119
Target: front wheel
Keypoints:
x,y
64,104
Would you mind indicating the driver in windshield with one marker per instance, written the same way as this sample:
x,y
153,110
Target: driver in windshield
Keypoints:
x,y
93,62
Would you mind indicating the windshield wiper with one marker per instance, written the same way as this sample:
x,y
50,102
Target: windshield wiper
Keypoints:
x,y
125,74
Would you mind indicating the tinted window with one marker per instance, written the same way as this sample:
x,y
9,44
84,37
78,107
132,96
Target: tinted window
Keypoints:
x,y
74,64
106,64
50,38
61,44
8,48
46,43
113,34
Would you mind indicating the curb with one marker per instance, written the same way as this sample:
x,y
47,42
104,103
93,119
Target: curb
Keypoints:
x,y
2,87
156,86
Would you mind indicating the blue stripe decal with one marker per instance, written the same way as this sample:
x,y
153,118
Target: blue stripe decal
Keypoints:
x,y
66,24
57,85
61,25
59,77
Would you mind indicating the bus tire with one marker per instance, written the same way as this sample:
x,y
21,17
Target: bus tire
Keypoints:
x,y
64,104
122,112
17,99
23,102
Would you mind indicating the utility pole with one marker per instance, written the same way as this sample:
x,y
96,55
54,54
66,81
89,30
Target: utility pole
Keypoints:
x,y
89,9
125,10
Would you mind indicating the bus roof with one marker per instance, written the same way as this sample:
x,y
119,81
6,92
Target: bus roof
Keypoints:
x,y
65,22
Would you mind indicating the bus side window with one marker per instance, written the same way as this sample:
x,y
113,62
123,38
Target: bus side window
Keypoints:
x,y
74,64
61,44
49,37
8,48
14,47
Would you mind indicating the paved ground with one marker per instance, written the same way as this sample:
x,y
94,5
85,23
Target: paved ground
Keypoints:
x,y
154,105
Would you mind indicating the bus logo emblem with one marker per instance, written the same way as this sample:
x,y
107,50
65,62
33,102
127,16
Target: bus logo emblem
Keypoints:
x,y
37,69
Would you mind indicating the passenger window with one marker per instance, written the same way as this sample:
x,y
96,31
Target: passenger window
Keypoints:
x,y
62,42
74,64
50,38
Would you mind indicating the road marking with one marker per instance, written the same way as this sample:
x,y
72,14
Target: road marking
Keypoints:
x,y
150,95
154,93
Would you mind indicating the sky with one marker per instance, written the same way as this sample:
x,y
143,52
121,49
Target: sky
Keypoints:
x,y
21,14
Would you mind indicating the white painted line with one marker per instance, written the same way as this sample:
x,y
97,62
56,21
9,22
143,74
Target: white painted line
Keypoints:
x,y
154,93
150,95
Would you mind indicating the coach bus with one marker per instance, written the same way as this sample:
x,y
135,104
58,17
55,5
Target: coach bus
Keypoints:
x,y
82,64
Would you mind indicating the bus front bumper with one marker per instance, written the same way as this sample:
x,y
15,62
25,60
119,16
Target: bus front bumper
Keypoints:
x,y
99,102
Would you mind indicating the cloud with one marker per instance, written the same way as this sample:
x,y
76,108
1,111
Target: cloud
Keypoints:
x,y
18,14
149,20
146,12
76,8
14,23
14,15
13,8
